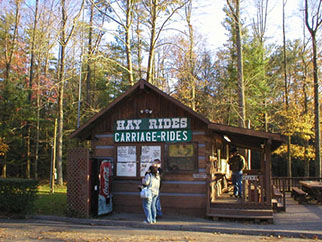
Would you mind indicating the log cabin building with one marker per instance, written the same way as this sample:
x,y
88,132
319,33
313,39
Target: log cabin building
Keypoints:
x,y
144,124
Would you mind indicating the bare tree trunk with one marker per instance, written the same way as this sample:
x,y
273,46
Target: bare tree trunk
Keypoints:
x,y
61,96
154,7
31,72
316,111
241,85
306,144
284,59
37,128
64,39
139,50
305,105
191,56
317,21
129,17
289,158
90,54
28,153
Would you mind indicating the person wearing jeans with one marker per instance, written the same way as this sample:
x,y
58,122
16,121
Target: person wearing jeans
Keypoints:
x,y
157,164
158,207
237,165
150,209
237,182
152,181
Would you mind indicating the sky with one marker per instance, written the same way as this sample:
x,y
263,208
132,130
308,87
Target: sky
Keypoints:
x,y
208,17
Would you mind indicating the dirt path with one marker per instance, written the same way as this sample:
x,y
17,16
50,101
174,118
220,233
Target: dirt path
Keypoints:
x,y
29,230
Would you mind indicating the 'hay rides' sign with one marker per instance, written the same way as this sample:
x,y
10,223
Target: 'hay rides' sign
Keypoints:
x,y
152,130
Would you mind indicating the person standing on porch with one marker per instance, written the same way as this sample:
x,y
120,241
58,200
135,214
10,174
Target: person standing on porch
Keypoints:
x,y
237,164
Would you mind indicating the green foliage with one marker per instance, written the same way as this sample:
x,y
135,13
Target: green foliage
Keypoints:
x,y
17,196
178,70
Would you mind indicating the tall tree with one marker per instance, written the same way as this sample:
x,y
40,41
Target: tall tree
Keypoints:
x,y
9,50
64,39
31,76
259,27
284,58
235,12
139,16
157,9
191,56
90,54
129,21
95,34
44,84
118,10
313,25
289,158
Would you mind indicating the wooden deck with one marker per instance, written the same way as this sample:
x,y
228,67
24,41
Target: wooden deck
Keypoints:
x,y
227,206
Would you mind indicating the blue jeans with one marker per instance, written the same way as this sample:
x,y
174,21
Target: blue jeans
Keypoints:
x,y
149,207
237,182
158,206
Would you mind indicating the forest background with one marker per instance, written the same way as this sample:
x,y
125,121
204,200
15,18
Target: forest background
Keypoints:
x,y
65,60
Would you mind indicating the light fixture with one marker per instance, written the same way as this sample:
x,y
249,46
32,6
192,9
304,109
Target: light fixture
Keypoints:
x,y
147,111
227,138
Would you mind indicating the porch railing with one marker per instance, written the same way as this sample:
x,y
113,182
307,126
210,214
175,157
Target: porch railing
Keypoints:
x,y
290,182
253,189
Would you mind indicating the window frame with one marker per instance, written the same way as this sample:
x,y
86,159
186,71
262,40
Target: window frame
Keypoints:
x,y
194,157
138,148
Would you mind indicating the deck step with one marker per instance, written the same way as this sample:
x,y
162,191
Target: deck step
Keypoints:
x,y
241,213
277,206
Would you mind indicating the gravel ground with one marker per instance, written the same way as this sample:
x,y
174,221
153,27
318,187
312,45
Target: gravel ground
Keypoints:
x,y
29,230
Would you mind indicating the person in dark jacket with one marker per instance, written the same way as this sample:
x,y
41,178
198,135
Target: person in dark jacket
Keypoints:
x,y
237,164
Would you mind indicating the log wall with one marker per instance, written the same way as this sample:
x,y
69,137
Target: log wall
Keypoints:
x,y
181,193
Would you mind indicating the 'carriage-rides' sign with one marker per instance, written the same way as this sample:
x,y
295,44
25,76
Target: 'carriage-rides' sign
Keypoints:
x,y
152,130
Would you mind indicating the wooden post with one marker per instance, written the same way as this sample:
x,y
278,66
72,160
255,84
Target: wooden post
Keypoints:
x,y
249,152
289,158
268,171
53,170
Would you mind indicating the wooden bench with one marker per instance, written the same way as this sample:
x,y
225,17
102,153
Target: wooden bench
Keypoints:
x,y
277,199
299,195
276,193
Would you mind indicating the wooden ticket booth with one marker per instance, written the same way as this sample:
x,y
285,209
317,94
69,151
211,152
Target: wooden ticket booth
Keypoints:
x,y
145,124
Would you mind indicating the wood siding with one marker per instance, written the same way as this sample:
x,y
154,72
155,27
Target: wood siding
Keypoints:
x,y
181,193
176,197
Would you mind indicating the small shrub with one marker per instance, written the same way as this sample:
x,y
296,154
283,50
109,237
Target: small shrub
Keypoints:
x,y
17,195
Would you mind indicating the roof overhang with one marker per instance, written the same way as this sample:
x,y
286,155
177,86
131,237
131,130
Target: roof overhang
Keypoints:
x,y
248,138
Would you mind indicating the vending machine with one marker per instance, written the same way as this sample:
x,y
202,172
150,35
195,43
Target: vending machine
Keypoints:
x,y
101,199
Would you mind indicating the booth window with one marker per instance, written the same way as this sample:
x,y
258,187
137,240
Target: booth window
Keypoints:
x,y
148,154
126,161
127,164
181,157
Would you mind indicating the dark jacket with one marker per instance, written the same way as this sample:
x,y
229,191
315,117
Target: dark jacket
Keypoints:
x,y
237,163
